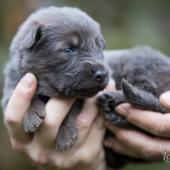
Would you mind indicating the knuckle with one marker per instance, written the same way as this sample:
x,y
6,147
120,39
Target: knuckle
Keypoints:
x,y
40,159
82,123
10,119
87,157
160,129
63,164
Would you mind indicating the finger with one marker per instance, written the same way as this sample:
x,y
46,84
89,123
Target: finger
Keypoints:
x,y
37,153
153,122
165,99
84,125
96,132
116,146
85,119
92,146
18,106
56,111
84,152
148,147
17,145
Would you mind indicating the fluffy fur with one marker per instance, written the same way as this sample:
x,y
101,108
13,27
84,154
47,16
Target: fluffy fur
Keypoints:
x,y
63,48
141,75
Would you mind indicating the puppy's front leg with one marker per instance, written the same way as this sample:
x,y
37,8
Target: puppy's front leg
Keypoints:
x,y
67,134
35,115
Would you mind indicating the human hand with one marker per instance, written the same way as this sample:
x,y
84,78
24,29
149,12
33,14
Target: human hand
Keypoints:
x,y
138,144
87,153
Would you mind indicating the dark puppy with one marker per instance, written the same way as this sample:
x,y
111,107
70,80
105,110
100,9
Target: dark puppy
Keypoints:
x,y
63,47
141,75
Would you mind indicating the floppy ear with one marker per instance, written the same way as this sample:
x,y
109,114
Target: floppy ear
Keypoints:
x,y
33,36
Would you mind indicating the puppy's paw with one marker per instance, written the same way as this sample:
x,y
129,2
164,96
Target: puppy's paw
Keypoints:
x,y
32,122
66,138
107,101
116,119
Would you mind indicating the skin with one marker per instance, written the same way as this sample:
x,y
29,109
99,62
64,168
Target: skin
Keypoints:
x,y
87,153
142,145
39,149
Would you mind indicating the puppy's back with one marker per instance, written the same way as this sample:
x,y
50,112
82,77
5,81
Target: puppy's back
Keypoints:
x,y
133,63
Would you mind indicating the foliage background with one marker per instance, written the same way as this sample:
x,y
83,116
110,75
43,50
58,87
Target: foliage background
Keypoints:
x,y
125,23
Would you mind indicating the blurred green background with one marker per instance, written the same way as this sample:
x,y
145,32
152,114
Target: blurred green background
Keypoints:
x,y
125,23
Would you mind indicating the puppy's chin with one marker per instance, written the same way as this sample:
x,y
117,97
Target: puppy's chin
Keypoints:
x,y
82,93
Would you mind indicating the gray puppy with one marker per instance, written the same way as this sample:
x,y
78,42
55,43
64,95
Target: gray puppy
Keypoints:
x,y
63,47
141,75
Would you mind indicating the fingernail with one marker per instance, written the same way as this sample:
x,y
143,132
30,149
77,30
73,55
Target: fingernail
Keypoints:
x,y
121,109
27,80
165,97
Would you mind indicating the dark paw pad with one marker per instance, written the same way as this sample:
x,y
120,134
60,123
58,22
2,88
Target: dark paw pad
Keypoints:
x,y
66,138
109,100
31,122
116,119
105,101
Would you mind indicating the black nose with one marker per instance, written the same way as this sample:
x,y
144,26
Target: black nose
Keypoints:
x,y
100,76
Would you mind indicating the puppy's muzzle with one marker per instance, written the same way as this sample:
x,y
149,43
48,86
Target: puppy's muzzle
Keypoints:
x,y
100,74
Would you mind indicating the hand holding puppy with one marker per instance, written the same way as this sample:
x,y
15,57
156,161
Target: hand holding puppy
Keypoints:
x,y
137,144
87,153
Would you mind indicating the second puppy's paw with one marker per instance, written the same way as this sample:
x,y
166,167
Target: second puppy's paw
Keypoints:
x,y
116,119
106,102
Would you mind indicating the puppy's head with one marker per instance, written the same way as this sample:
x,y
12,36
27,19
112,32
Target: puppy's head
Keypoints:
x,y
63,47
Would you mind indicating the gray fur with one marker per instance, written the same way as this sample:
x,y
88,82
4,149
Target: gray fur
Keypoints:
x,y
141,75
63,48
39,47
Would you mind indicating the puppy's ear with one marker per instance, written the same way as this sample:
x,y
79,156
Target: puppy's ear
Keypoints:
x,y
33,36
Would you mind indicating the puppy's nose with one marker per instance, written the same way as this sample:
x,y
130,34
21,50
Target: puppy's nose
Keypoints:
x,y
100,76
